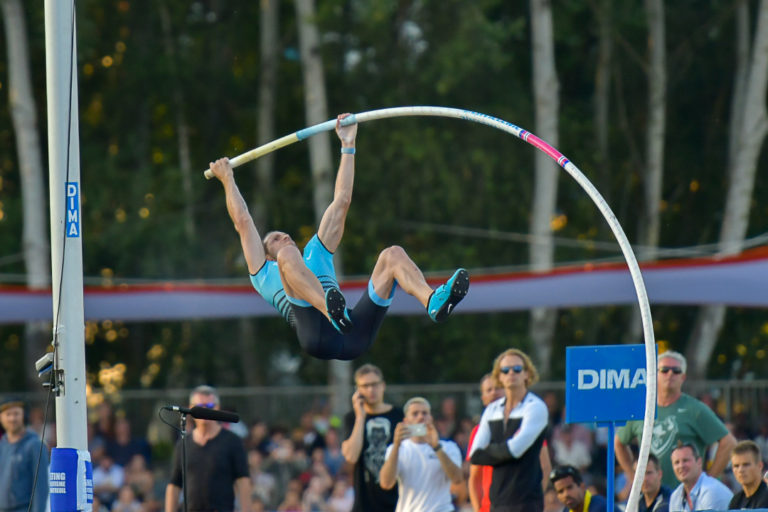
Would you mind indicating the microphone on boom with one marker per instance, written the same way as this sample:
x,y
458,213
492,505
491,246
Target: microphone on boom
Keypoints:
x,y
203,413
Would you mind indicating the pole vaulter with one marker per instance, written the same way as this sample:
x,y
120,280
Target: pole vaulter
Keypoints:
x,y
575,173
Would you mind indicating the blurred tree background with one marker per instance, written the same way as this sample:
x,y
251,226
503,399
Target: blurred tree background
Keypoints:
x,y
160,80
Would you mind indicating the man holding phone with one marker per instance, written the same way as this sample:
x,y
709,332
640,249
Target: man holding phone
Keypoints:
x,y
371,425
423,466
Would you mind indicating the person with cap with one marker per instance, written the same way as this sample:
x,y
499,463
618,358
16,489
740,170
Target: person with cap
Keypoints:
x,y
23,462
572,492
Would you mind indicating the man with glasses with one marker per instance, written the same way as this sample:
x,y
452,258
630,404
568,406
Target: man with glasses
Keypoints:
x,y
572,492
217,466
371,426
747,464
679,418
697,490
510,436
302,285
422,466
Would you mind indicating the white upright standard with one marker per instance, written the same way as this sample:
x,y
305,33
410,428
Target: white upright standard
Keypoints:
x,y
66,243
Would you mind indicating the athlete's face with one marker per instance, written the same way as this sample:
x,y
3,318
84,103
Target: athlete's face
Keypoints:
x,y
371,388
274,241
489,392
746,469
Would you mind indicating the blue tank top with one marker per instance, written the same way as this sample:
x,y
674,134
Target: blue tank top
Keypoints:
x,y
268,284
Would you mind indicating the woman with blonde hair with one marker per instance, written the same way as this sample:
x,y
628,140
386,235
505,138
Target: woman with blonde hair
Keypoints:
x,y
510,435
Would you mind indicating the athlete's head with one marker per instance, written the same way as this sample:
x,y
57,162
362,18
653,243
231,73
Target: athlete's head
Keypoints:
x,y
274,241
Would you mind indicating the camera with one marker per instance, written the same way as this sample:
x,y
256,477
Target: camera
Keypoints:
x,y
417,430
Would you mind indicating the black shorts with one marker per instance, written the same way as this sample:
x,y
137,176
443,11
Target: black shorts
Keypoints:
x,y
321,340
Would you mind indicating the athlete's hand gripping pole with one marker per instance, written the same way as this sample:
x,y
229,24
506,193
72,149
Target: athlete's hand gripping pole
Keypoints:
x,y
284,141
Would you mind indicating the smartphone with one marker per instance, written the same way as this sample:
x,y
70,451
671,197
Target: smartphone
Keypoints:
x,y
417,430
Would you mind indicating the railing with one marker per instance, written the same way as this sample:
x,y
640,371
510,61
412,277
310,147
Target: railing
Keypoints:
x,y
285,404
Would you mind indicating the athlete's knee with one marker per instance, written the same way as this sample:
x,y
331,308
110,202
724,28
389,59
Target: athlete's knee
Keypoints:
x,y
392,255
287,256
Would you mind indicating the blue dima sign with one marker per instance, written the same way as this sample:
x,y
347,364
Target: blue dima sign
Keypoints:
x,y
73,209
605,383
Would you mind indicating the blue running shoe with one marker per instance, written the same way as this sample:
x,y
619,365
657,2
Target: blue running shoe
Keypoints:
x,y
444,299
337,310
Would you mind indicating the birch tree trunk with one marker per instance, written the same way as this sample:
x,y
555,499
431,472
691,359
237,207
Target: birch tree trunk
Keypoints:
x,y
546,94
602,92
751,122
182,127
35,243
265,123
655,130
339,372
265,132
656,127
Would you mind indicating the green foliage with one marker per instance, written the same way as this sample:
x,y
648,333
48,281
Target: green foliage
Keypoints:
x,y
413,173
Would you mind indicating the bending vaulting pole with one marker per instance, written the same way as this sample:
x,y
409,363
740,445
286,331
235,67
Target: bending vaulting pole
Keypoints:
x,y
570,168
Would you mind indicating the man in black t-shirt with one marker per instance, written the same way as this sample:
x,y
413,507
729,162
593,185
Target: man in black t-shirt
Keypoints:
x,y
217,467
747,464
371,425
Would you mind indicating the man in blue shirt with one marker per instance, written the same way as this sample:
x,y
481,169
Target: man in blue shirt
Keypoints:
x,y
697,490
303,287
20,454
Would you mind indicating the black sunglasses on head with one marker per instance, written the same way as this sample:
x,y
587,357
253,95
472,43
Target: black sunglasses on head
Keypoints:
x,y
518,368
564,471
674,369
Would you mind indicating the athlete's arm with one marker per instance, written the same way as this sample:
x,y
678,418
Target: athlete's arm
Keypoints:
x,y
332,224
250,240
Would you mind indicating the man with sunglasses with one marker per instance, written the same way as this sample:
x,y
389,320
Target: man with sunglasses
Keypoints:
x,y
480,477
217,466
302,284
510,436
679,418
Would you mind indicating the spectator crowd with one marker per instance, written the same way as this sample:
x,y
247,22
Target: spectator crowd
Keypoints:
x,y
317,465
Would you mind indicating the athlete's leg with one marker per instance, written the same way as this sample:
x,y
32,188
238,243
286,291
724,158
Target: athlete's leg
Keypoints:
x,y
394,264
300,283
